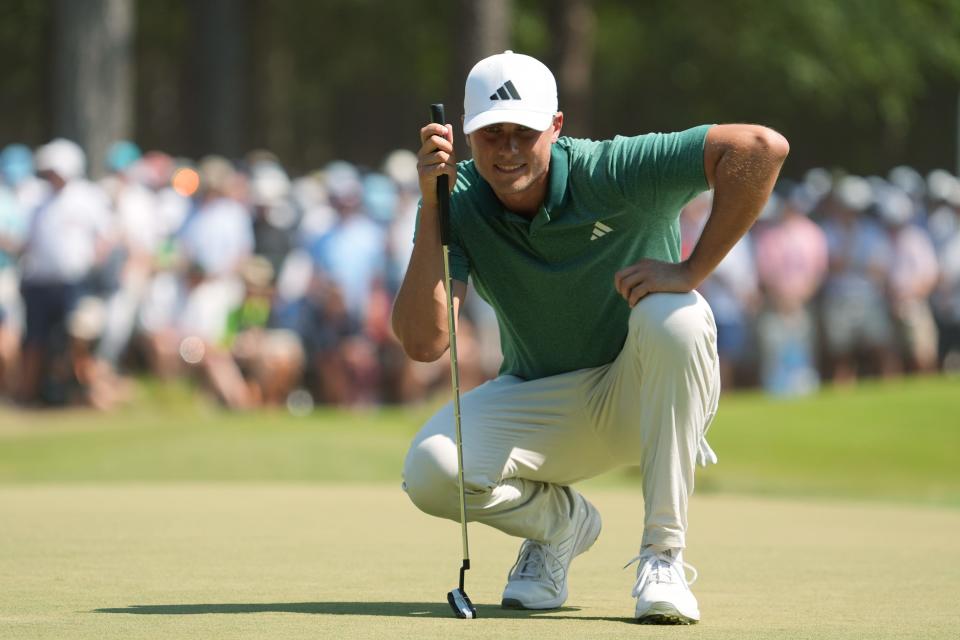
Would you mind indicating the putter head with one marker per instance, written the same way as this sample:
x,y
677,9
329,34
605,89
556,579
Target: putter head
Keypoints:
x,y
461,605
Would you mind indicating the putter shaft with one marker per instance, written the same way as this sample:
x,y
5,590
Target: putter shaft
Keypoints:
x,y
455,376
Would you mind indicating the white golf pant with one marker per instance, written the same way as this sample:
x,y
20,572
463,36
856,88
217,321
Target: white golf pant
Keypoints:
x,y
526,441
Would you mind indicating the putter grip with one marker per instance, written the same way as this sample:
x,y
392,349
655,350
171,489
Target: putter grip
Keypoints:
x,y
443,183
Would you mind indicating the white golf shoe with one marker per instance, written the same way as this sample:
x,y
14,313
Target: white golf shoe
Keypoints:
x,y
538,579
662,590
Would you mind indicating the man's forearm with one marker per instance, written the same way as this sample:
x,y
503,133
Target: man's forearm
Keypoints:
x,y
745,175
420,313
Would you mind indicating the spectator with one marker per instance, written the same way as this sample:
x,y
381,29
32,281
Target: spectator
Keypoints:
x,y
854,313
140,234
944,226
12,230
215,242
913,276
17,172
275,218
401,167
791,265
909,180
69,236
943,198
270,359
351,253
947,301
218,237
316,215
341,358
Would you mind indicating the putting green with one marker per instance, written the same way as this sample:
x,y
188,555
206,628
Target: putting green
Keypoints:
x,y
296,561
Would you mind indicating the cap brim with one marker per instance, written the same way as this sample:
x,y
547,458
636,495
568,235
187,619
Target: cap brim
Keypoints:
x,y
534,119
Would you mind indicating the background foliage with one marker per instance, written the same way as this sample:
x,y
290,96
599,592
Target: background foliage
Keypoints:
x,y
861,84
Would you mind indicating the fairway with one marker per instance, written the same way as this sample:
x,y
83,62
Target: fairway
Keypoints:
x,y
294,561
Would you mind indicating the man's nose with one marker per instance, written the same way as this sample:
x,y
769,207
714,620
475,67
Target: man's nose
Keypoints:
x,y
510,144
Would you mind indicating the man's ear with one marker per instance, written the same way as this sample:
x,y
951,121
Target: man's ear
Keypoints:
x,y
557,126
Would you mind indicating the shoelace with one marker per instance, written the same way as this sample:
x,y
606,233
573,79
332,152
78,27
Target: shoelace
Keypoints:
x,y
660,568
532,562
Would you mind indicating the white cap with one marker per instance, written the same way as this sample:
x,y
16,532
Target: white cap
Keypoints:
x,y
895,206
63,157
854,193
941,185
509,87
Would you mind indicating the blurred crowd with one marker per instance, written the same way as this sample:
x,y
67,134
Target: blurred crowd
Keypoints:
x,y
264,289
271,290
841,277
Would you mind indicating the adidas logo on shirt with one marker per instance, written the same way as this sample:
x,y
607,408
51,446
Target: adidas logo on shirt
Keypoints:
x,y
506,92
600,230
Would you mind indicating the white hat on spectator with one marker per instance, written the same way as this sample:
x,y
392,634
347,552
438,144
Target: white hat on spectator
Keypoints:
x,y
895,206
62,157
942,185
269,183
818,181
854,192
908,179
343,181
401,167
802,199
216,174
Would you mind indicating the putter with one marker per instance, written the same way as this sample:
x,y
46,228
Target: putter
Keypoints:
x,y
458,598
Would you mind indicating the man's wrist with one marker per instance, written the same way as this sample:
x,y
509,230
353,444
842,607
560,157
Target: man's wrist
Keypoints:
x,y
693,276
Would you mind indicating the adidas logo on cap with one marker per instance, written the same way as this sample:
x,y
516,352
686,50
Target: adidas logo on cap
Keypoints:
x,y
506,92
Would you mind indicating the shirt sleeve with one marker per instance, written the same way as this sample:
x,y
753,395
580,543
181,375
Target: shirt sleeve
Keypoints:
x,y
659,171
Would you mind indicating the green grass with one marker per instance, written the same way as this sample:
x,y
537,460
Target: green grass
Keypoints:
x,y
895,440
308,561
898,440
174,519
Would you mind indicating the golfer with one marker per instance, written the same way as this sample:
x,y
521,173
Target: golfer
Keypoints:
x,y
609,354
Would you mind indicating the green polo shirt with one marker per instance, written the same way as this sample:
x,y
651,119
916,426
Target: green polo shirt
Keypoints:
x,y
550,279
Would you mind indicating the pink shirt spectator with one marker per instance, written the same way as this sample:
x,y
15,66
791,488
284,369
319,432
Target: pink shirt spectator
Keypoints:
x,y
791,260
913,270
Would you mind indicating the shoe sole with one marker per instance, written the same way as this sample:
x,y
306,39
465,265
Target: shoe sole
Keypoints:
x,y
512,603
665,613
588,540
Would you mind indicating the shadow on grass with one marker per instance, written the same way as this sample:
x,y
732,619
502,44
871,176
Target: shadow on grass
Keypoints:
x,y
390,609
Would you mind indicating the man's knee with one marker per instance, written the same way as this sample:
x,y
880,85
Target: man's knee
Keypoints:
x,y
673,324
430,476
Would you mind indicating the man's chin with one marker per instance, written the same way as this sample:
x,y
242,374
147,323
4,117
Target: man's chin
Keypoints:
x,y
510,186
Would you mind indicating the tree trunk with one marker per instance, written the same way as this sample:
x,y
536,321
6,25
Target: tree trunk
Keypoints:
x,y
93,94
574,25
219,88
483,29
274,70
